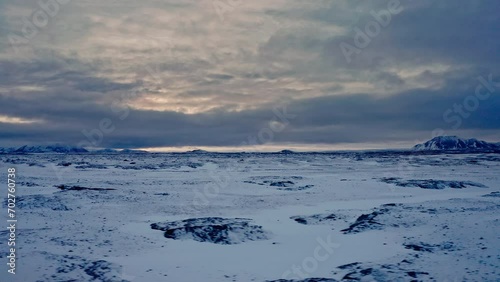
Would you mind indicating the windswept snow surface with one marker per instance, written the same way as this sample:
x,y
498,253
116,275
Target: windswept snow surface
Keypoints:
x,y
373,216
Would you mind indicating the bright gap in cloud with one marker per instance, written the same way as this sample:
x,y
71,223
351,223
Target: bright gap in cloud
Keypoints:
x,y
17,120
293,147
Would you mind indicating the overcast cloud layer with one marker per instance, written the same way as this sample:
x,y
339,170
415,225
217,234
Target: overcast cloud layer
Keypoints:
x,y
155,73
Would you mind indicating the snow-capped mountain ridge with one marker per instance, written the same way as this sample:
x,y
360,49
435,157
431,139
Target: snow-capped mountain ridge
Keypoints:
x,y
65,149
6,150
57,148
454,143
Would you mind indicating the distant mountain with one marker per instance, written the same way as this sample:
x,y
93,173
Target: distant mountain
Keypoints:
x,y
6,150
65,149
130,151
105,151
115,151
454,143
49,149
197,151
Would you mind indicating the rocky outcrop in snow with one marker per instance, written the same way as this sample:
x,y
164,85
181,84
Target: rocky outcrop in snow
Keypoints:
x,y
317,218
431,183
224,231
76,268
493,194
288,183
306,280
359,271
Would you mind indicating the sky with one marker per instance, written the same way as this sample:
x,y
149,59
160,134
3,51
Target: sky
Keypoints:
x,y
230,74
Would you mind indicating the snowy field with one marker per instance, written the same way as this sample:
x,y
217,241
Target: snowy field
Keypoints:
x,y
255,217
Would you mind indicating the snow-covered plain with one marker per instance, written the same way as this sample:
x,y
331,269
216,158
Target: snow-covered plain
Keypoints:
x,y
353,216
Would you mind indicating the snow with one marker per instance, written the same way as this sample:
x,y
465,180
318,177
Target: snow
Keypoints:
x,y
102,229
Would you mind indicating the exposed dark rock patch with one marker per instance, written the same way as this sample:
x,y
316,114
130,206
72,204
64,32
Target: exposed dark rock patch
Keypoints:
x,y
317,218
416,274
378,272
349,265
291,183
367,221
225,231
420,248
431,183
282,183
161,194
305,280
75,268
27,184
91,166
493,195
98,269
410,215
138,167
80,188
363,222
297,188
424,247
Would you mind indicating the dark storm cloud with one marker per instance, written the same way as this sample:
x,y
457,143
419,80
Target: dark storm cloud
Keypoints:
x,y
333,119
462,33
55,71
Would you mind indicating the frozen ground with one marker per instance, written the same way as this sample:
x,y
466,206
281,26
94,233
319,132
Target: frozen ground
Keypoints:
x,y
256,217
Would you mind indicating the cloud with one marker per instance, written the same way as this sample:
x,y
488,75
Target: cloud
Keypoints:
x,y
190,77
